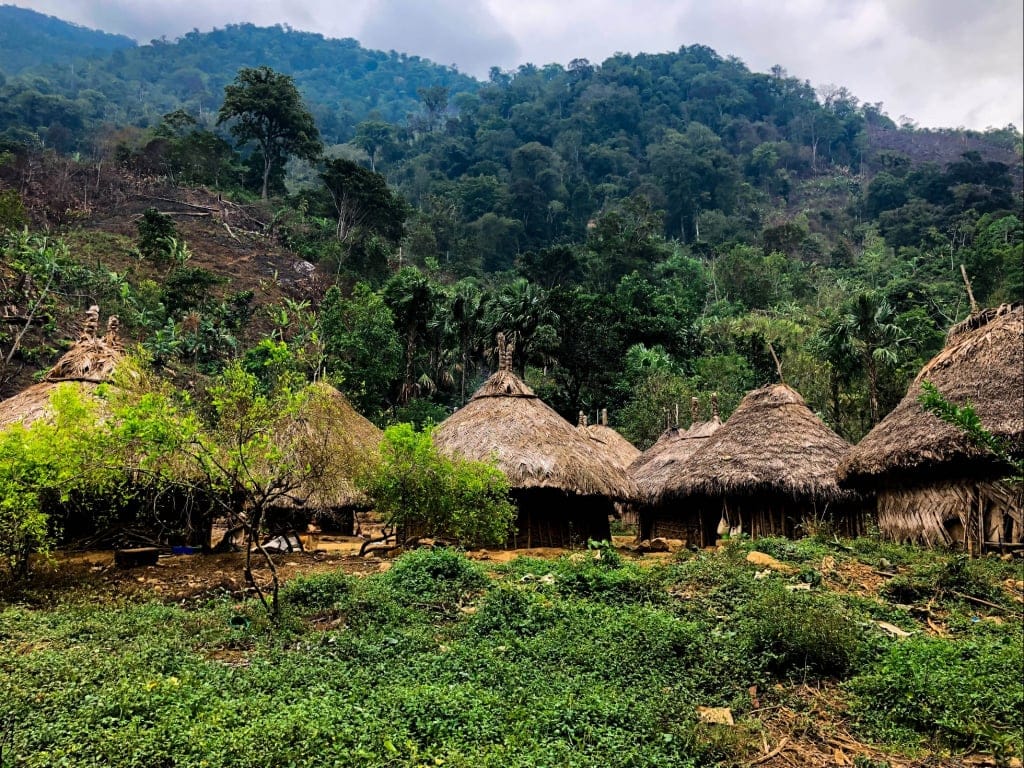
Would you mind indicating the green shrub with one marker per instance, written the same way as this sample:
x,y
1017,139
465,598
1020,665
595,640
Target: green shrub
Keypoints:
x,y
801,632
157,235
435,577
12,211
321,592
422,492
968,691
518,609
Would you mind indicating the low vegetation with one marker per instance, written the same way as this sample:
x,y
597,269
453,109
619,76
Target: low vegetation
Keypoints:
x,y
591,658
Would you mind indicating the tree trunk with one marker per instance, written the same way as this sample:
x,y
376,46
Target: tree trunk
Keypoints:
x,y
873,388
266,175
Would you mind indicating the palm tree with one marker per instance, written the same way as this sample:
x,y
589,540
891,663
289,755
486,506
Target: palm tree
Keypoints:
x,y
522,311
865,332
411,296
464,323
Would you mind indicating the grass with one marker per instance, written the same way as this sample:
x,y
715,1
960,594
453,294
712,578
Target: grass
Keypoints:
x,y
585,660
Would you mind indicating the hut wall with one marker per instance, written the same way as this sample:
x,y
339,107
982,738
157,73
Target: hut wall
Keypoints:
x,y
286,519
550,518
695,521
968,514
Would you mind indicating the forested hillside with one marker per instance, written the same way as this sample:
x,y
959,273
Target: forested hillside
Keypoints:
x,y
648,229
28,38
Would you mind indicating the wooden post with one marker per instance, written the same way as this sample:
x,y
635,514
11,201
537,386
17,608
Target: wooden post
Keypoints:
x,y
778,364
970,293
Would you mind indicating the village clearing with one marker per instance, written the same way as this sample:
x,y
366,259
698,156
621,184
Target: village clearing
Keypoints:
x,y
818,652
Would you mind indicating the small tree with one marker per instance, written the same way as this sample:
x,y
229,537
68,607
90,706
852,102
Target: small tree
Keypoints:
x,y
245,444
42,464
363,202
422,492
267,108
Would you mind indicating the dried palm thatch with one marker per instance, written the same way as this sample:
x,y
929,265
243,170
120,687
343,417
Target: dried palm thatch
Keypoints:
x,y
533,445
332,442
935,486
658,464
982,363
89,362
772,444
616,449
769,470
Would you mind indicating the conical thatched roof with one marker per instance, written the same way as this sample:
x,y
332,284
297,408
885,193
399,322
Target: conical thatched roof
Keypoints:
x,y
89,362
616,449
335,442
772,444
662,461
982,363
531,443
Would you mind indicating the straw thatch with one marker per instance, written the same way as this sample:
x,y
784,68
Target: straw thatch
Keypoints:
x,y
89,362
768,470
772,444
536,448
982,363
616,449
333,442
935,487
657,466
531,443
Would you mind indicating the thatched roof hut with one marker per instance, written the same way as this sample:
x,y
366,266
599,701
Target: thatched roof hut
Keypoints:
x,y
767,469
614,446
146,513
656,467
562,484
935,486
89,362
334,441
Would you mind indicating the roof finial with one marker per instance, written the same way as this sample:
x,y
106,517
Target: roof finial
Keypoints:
x,y
604,417
694,410
501,351
91,324
113,338
581,421
510,349
714,405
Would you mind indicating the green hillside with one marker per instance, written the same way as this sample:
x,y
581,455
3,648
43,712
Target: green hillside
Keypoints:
x,y
650,228
29,39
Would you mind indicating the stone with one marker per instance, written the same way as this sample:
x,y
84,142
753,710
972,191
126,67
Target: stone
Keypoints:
x,y
660,545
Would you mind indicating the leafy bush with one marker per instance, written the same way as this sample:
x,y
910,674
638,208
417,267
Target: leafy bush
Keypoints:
x,y
157,236
320,592
956,576
969,693
440,577
797,632
424,493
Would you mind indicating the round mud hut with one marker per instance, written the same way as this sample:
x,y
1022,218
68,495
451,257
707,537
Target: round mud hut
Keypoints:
x,y
333,442
564,489
769,470
934,485
655,468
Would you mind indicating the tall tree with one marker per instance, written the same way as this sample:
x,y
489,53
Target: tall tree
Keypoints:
x,y
266,108
363,201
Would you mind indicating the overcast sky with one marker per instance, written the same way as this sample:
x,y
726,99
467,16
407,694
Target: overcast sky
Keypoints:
x,y
940,62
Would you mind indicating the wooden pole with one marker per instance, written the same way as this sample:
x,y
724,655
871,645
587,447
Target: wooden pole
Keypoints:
x,y
970,293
